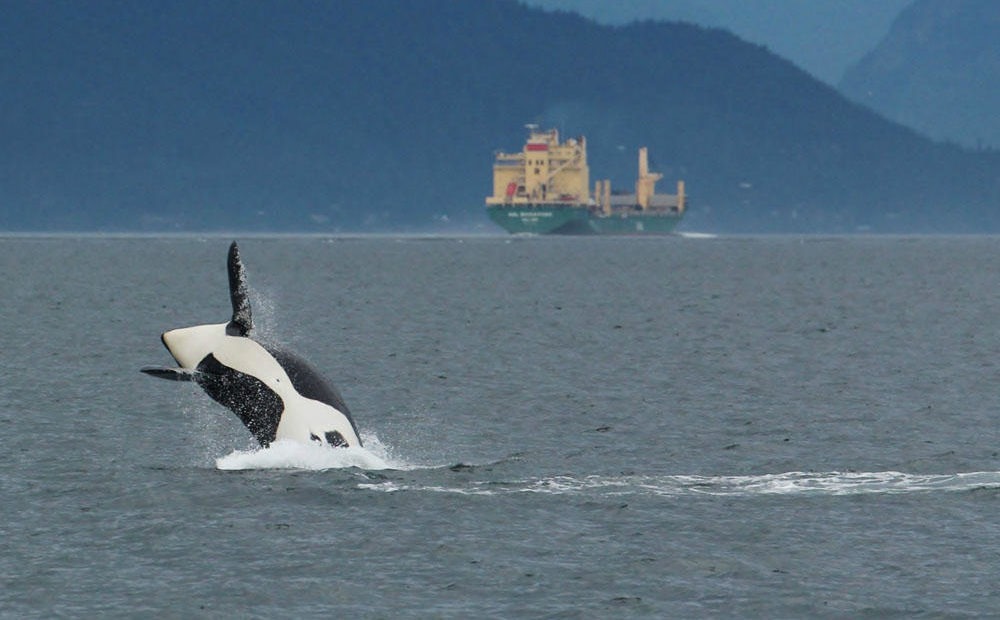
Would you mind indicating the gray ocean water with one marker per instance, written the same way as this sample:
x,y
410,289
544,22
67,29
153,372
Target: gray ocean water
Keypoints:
x,y
555,428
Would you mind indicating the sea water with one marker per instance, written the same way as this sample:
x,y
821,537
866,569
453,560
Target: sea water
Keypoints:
x,y
568,428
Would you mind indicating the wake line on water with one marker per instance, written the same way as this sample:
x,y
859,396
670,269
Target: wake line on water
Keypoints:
x,y
791,483
697,235
375,456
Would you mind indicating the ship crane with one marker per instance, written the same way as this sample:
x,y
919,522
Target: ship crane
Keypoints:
x,y
645,185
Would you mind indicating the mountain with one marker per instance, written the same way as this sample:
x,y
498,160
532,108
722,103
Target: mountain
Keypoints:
x,y
938,71
824,38
384,115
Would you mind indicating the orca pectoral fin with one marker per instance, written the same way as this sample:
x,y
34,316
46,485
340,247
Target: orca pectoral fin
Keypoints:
x,y
173,374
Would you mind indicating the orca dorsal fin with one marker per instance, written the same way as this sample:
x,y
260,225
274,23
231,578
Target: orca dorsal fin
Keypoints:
x,y
242,322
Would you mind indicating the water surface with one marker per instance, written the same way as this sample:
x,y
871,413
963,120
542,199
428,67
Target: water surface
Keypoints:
x,y
742,427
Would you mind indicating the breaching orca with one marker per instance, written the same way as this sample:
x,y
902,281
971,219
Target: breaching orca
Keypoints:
x,y
273,392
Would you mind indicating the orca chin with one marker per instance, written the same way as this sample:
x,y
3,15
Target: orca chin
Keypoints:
x,y
276,394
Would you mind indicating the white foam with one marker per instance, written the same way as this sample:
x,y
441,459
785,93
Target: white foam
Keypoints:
x,y
697,235
789,483
287,454
820,483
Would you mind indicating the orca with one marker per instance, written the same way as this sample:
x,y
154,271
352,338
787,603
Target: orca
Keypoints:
x,y
273,392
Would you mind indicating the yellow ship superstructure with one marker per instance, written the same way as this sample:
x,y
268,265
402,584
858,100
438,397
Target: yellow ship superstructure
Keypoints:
x,y
544,171
545,188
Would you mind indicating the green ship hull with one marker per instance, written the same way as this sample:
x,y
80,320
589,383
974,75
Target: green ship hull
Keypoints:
x,y
577,220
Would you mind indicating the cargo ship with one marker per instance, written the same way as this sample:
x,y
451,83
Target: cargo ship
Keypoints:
x,y
545,190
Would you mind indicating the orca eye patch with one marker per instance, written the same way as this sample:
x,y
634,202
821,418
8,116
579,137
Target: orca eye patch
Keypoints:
x,y
336,440
333,438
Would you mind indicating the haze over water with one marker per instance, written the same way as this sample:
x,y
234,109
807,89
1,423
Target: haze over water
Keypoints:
x,y
731,427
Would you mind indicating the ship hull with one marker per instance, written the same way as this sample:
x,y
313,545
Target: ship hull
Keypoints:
x,y
573,220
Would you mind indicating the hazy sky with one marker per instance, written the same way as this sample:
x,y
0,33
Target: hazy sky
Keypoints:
x,y
823,37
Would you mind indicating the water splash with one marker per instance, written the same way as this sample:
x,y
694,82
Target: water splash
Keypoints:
x,y
265,310
697,235
286,454
790,483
